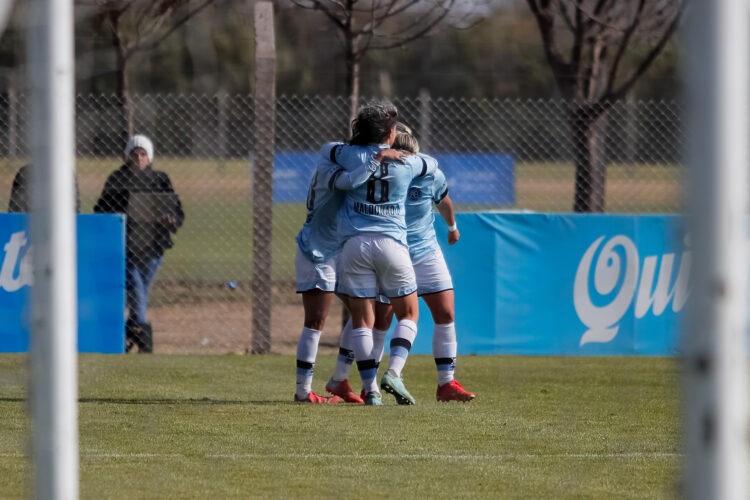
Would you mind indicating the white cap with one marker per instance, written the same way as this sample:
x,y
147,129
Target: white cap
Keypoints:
x,y
140,141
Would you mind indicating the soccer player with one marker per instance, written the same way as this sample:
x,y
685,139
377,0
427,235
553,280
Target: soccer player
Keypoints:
x,y
375,255
434,283
315,262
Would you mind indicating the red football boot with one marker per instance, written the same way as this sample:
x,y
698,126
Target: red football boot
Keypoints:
x,y
315,399
453,391
343,390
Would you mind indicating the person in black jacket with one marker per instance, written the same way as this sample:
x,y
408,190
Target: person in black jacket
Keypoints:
x,y
153,212
20,192
20,197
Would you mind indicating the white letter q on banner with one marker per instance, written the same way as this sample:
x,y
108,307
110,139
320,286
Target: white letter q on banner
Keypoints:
x,y
602,320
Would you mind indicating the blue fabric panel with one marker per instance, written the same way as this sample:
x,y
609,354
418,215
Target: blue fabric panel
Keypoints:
x,y
101,283
476,178
569,284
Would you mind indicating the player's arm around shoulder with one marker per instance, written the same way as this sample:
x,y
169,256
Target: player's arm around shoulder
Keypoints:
x,y
351,157
338,176
355,163
342,179
421,164
347,180
328,150
347,156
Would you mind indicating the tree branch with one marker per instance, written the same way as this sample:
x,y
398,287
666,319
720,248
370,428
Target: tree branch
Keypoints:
x,y
150,44
628,85
624,42
405,6
546,23
409,38
576,52
565,16
598,57
318,5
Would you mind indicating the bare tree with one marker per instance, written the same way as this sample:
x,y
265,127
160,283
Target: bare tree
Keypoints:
x,y
600,38
365,25
135,26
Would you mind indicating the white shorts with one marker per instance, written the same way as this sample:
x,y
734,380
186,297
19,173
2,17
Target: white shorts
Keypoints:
x,y
311,275
432,275
370,263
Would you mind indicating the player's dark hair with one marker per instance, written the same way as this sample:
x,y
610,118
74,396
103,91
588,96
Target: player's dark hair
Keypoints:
x,y
373,123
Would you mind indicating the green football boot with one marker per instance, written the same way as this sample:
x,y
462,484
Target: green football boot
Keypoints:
x,y
373,399
395,385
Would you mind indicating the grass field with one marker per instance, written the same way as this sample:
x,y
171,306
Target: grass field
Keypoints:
x,y
225,426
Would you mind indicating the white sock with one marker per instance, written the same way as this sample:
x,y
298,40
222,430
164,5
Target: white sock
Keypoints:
x,y
378,343
307,350
403,336
368,368
444,348
346,354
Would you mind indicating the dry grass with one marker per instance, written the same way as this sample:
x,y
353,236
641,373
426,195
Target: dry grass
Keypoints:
x,y
219,328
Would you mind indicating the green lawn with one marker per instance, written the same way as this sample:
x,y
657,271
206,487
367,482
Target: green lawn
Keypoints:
x,y
224,426
215,243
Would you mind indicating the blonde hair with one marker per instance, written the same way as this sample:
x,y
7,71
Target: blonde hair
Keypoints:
x,y
405,140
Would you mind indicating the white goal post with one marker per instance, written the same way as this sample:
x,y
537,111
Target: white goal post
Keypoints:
x,y
715,377
54,332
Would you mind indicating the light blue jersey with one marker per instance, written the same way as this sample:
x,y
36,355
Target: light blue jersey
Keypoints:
x,y
423,192
378,206
318,240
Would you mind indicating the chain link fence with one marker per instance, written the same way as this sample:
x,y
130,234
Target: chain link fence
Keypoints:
x,y
497,155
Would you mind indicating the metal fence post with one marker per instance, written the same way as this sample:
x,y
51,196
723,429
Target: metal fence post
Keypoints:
x,y
262,183
221,148
424,119
12,122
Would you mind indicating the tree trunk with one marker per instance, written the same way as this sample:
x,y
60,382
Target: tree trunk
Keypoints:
x,y
352,79
123,91
262,171
587,128
12,120
425,119
354,93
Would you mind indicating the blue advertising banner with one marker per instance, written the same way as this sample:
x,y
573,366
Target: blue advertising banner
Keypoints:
x,y
479,178
101,283
292,171
492,179
565,284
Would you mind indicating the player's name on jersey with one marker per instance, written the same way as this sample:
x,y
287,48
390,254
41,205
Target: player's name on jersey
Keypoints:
x,y
368,209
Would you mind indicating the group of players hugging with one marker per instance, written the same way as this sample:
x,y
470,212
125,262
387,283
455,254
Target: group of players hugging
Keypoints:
x,y
369,238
